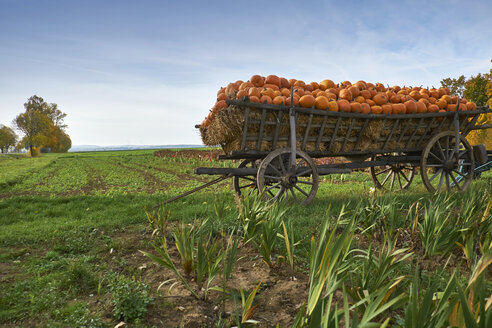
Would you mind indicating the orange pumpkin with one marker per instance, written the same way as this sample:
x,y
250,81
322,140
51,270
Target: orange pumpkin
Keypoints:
x,y
220,104
245,85
278,100
421,107
354,90
380,98
345,94
284,83
433,109
326,84
376,109
257,80
365,108
410,106
241,94
300,83
265,99
355,107
254,99
343,105
333,105
222,96
254,92
387,109
471,105
307,101
273,79
366,94
321,102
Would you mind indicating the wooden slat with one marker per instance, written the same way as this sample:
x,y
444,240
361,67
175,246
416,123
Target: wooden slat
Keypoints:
x,y
388,138
321,132
361,133
262,128
347,135
425,134
306,133
414,132
335,131
277,130
245,128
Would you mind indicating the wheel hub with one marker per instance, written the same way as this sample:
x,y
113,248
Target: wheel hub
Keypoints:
x,y
289,180
449,165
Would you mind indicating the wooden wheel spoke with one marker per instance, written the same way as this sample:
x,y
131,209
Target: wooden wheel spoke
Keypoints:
x,y
435,175
277,185
455,182
300,163
305,182
439,147
435,156
447,148
458,172
294,195
246,186
447,180
404,176
440,180
392,180
275,169
302,191
386,178
273,177
249,179
399,179
282,166
300,174
382,171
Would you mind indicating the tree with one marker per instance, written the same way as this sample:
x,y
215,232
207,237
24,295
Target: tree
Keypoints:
x,y
34,125
43,125
489,89
456,86
476,89
8,138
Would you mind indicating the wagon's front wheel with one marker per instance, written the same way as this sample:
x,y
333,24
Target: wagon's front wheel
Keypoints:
x,y
278,177
246,184
444,168
392,176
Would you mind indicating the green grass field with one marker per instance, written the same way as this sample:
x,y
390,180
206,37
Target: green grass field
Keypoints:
x,y
71,224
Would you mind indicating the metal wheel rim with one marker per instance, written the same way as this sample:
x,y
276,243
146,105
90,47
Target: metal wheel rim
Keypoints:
x,y
439,167
245,182
273,175
396,176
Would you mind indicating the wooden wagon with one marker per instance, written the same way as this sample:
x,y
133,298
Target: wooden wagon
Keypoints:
x,y
281,147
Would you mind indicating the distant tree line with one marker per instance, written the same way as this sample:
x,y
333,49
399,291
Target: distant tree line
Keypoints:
x,y
42,126
476,88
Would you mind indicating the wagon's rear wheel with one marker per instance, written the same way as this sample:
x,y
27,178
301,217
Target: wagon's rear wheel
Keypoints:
x,y
245,184
277,178
395,176
442,168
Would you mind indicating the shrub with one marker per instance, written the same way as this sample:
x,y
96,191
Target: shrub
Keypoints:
x,y
130,299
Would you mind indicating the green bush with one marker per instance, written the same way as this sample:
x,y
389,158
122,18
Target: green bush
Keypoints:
x,y
130,299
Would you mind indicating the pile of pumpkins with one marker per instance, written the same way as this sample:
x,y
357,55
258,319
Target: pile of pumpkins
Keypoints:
x,y
359,97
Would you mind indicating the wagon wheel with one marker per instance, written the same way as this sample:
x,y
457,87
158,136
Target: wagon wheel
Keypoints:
x,y
442,168
276,178
245,183
392,176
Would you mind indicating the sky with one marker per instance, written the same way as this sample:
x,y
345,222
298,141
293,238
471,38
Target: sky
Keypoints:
x,y
145,72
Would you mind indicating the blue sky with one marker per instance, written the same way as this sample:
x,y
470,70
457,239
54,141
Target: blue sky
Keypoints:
x,y
145,72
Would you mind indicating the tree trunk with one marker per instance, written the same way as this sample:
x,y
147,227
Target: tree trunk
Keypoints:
x,y
30,148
